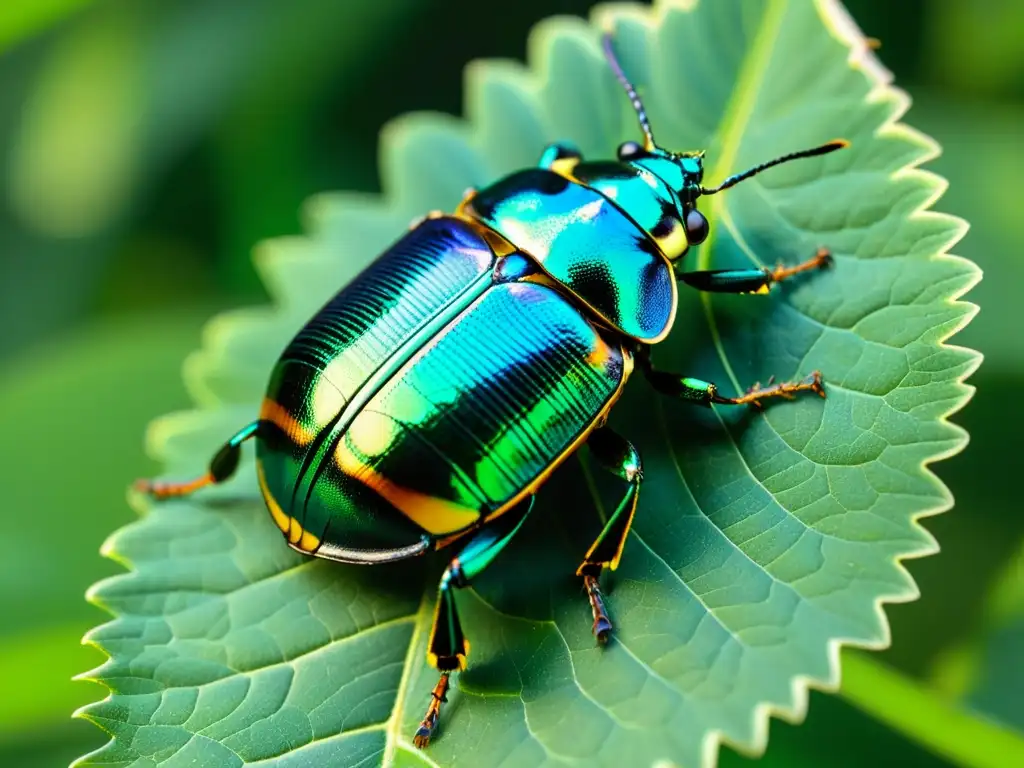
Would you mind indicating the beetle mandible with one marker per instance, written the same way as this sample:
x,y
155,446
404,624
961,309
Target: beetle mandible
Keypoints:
x,y
430,398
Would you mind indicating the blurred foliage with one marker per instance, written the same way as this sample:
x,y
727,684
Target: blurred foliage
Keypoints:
x,y
56,402
987,671
975,47
21,20
997,687
982,157
214,119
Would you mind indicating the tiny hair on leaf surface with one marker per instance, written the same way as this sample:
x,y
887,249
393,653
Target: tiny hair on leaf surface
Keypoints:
x,y
763,540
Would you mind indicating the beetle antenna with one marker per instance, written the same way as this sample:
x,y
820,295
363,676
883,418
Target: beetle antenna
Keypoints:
x,y
641,113
824,149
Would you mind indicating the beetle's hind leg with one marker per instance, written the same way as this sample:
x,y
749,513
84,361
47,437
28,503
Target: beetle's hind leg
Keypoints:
x,y
448,647
222,467
753,280
617,455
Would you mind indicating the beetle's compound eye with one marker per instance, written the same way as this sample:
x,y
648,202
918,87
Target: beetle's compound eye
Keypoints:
x,y
697,227
630,150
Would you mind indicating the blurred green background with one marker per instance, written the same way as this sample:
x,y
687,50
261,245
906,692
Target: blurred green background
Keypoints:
x,y
147,145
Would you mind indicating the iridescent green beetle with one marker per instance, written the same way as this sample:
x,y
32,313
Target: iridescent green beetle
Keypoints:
x,y
431,398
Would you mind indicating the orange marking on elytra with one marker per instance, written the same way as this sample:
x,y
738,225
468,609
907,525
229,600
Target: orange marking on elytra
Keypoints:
x,y
280,518
278,415
434,515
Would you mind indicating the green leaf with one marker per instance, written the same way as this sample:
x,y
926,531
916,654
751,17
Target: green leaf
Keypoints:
x,y
980,158
763,541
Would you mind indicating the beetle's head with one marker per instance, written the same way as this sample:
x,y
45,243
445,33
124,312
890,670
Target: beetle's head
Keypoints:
x,y
683,172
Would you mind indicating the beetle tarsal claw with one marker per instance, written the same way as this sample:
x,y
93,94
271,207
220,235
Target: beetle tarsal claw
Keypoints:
x,y
787,390
822,259
429,722
816,383
426,729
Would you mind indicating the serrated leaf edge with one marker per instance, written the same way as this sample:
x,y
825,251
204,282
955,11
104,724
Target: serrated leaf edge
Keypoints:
x,y
838,22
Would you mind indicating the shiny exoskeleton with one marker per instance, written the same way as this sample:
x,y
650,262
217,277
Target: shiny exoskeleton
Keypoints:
x,y
431,397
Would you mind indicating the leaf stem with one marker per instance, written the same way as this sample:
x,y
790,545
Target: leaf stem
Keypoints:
x,y
926,717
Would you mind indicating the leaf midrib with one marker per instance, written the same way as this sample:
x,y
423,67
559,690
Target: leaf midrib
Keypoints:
x,y
393,729
732,126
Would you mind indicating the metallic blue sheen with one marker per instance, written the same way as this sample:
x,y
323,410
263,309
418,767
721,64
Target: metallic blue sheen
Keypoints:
x,y
682,173
584,241
642,196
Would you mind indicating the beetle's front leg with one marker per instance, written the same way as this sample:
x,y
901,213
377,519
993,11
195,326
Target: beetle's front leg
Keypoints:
x,y
706,393
618,456
754,280
447,648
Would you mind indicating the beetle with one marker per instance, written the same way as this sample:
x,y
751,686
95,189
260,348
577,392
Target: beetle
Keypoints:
x,y
430,399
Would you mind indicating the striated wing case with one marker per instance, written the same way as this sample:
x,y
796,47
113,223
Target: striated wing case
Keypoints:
x,y
480,416
353,338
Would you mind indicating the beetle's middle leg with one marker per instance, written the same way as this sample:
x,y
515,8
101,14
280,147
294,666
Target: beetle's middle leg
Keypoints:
x,y
753,280
706,393
617,455
447,648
